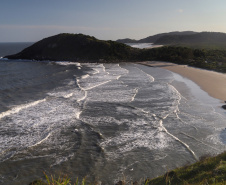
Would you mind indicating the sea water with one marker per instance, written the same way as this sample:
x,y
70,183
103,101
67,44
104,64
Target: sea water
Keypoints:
x,y
103,121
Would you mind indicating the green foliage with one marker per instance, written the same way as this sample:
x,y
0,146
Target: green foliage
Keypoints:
x,y
52,180
209,171
202,58
79,47
203,40
76,47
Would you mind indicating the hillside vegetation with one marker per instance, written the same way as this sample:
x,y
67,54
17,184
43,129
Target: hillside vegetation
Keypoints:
x,y
154,38
75,47
206,40
83,48
208,171
196,40
202,58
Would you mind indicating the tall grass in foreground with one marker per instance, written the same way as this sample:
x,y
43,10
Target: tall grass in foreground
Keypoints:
x,y
208,171
65,180
61,180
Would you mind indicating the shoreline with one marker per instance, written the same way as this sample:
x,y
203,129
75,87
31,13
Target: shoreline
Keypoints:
x,y
214,83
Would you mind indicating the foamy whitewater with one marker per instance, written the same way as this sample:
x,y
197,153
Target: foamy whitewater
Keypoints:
x,y
103,121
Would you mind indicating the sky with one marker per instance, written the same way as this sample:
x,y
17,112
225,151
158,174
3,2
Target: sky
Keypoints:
x,y
32,20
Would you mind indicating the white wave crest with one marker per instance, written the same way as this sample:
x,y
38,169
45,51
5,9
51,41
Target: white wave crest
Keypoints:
x,y
77,114
83,98
150,77
68,95
19,108
89,88
41,140
177,139
136,91
66,63
85,76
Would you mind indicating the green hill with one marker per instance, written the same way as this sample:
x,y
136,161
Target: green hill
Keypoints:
x,y
207,40
74,47
154,38
127,40
202,40
83,48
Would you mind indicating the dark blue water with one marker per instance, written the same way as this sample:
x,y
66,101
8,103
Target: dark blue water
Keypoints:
x,y
9,48
103,121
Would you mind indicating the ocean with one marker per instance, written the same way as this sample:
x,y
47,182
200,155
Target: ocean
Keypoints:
x,y
105,122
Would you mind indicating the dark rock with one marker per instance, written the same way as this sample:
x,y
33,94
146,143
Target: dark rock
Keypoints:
x,y
170,174
120,183
224,106
135,183
36,182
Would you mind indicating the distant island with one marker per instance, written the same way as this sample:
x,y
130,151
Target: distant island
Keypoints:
x,y
84,48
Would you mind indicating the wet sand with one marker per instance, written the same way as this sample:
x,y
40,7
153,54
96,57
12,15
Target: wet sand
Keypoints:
x,y
212,82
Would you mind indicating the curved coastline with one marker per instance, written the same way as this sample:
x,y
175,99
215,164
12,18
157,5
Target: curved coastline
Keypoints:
x,y
210,81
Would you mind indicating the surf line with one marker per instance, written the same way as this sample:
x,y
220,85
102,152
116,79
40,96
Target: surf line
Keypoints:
x,y
96,71
177,139
136,91
127,71
20,107
77,115
151,77
83,98
104,69
41,141
179,94
68,95
89,88
199,141
178,117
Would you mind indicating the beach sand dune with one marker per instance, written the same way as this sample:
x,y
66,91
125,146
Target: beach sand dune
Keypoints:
x,y
212,82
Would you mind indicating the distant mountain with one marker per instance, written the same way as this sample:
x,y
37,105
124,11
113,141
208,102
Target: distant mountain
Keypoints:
x,y
74,47
154,38
200,40
211,40
127,40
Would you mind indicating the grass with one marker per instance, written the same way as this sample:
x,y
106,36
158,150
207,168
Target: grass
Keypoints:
x,y
65,180
61,180
208,171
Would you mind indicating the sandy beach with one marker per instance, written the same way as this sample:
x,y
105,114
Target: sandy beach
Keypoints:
x,y
212,82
